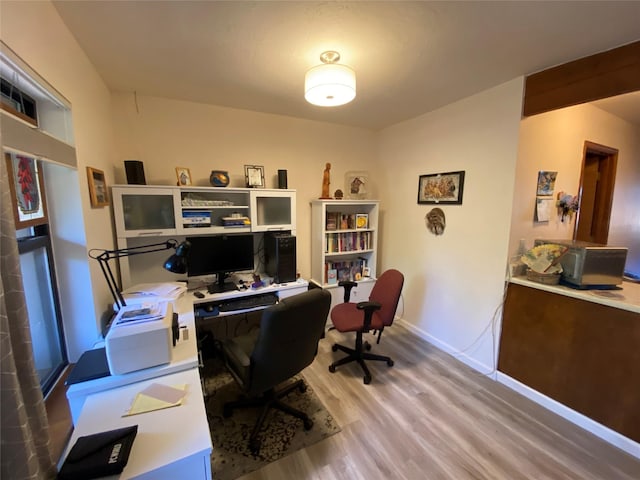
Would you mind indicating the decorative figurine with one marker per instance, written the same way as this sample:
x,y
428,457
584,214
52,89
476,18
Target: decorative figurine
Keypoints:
x,y
338,195
326,182
435,221
219,178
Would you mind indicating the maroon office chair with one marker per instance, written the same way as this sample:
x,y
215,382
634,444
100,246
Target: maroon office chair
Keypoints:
x,y
362,317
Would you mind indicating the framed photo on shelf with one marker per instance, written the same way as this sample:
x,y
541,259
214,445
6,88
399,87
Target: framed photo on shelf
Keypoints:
x,y
27,191
98,192
184,176
356,185
362,221
441,188
254,176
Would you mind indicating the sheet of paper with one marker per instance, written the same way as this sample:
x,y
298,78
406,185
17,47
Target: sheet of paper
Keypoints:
x,y
543,209
156,397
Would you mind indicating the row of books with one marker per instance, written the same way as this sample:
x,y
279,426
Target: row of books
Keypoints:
x,y
346,221
350,270
348,242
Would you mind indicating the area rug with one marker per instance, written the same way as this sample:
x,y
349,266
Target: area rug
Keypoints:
x,y
282,434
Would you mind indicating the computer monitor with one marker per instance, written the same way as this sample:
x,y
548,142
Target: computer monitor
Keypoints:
x,y
220,255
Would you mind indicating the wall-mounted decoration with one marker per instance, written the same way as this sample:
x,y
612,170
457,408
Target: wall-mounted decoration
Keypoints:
x,y
543,209
184,176
254,176
546,182
441,188
357,185
435,221
27,191
98,192
567,205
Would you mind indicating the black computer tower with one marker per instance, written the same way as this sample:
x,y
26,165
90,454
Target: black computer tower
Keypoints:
x,y
280,257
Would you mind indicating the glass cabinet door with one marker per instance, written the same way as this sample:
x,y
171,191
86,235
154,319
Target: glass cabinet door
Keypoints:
x,y
141,212
273,210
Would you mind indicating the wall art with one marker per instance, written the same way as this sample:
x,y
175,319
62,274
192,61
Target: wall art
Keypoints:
x,y
27,190
441,188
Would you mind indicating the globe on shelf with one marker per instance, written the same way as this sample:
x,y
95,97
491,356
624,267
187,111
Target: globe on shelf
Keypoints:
x,y
219,178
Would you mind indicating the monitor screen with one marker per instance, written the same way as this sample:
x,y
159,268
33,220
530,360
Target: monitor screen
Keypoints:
x,y
220,255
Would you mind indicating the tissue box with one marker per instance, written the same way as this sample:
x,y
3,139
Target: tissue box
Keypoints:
x,y
138,340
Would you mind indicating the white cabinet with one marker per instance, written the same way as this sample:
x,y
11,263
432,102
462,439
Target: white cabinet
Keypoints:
x,y
344,245
273,210
146,211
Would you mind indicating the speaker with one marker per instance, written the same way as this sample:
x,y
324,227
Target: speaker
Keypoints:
x,y
135,172
282,179
280,257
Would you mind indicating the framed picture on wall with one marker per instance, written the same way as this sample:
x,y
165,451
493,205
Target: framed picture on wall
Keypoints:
x,y
27,190
98,192
441,188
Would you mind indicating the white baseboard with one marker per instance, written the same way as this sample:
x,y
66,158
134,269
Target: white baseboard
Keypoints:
x,y
605,433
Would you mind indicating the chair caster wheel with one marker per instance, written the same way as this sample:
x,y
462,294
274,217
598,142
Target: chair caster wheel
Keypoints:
x,y
367,346
332,368
302,388
334,348
367,380
390,362
227,411
254,446
308,424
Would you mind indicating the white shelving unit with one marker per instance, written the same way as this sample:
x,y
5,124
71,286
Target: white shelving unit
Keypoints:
x,y
346,248
148,213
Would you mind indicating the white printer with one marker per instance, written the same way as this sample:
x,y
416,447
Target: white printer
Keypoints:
x,y
140,337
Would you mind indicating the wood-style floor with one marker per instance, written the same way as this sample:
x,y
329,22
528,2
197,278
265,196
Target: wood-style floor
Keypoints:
x,y
428,417
432,417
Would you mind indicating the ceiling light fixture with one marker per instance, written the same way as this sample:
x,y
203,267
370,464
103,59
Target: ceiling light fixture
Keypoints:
x,y
330,84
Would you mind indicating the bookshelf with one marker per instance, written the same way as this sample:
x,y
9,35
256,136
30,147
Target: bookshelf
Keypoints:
x,y
344,245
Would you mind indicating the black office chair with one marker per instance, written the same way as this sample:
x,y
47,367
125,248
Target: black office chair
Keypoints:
x,y
285,343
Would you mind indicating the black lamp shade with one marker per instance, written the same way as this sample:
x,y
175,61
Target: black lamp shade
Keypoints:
x,y
177,263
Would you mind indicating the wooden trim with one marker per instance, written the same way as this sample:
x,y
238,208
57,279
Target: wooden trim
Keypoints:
x,y
20,115
602,75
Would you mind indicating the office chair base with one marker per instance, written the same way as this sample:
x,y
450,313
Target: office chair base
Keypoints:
x,y
358,355
270,399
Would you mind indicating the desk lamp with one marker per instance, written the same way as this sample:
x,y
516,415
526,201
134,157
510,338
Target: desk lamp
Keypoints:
x,y
176,263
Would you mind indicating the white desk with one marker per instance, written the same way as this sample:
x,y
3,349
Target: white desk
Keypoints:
x,y
171,443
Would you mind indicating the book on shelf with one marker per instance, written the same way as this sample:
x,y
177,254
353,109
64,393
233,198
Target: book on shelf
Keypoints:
x,y
362,220
332,220
332,276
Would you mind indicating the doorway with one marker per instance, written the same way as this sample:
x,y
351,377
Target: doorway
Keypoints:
x,y
597,182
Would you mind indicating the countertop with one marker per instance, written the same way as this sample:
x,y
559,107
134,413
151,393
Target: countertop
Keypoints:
x,y
626,297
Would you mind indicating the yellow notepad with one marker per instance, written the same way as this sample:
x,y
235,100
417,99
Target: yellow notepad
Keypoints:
x,y
156,397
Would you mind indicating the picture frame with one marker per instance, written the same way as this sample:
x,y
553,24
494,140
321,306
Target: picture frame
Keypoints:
x,y
441,188
254,176
27,191
356,185
98,192
184,176
362,221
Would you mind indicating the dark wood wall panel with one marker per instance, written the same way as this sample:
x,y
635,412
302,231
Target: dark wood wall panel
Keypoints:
x,y
582,354
602,75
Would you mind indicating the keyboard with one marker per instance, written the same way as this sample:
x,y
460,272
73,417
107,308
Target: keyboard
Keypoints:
x,y
245,303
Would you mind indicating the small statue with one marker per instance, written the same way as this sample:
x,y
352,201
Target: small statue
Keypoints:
x,y
326,182
338,195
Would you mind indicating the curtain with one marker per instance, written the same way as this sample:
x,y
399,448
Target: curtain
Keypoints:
x,y
24,447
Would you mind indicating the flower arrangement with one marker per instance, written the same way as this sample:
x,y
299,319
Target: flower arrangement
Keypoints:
x,y
567,205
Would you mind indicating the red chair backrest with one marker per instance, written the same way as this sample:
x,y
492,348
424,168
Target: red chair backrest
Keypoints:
x,y
387,292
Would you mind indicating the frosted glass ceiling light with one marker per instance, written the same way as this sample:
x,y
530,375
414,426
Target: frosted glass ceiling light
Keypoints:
x,y
330,84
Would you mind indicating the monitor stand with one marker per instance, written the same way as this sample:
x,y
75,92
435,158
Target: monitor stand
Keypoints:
x,y
220,286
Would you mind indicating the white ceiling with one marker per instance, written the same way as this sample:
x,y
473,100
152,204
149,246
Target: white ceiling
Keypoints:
x,y
409,57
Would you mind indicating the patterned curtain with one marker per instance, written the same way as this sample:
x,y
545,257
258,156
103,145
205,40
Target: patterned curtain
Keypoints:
x,y
24,448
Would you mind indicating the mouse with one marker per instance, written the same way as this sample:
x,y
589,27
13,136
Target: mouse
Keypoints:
x,y
198,294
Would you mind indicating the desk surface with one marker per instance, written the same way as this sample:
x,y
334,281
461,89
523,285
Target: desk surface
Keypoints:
x,y
164,436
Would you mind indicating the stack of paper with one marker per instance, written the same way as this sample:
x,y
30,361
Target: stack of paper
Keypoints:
x,y
141,313
156,397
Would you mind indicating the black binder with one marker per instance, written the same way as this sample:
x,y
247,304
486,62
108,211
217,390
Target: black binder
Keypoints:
x,y
92,364
99,455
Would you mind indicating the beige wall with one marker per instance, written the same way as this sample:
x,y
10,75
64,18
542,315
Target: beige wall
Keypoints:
x,y
555,141
36,33
454,282
164,134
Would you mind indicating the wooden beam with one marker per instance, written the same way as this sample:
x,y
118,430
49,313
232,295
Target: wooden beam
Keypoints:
x,y
602,75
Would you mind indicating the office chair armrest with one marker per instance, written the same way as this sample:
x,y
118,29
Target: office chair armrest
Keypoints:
x,y
348,285
369,308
